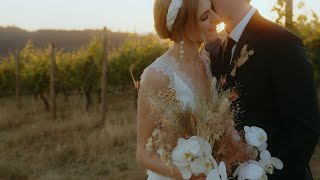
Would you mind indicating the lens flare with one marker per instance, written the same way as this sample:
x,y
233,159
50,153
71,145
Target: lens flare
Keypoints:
x,y
220,27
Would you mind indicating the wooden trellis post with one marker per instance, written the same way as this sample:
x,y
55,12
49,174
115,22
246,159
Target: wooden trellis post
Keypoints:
x,y
289,14
104,77
18,85
52,82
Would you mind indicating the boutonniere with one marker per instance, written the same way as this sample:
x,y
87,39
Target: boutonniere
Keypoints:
x,y
242,59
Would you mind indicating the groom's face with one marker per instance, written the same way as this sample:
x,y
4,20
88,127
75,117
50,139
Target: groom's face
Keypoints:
x,y
224,8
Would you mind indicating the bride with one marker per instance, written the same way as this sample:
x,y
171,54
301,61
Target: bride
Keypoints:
x,y
184,68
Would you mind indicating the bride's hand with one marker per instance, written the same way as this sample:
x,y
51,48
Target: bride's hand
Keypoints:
x,y
200,177
177,174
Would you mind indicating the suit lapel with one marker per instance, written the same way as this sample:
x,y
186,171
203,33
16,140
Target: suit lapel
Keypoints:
x,y
218,66
249,36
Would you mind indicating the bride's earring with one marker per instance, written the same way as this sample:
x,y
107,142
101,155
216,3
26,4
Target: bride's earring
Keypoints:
x,y
181,49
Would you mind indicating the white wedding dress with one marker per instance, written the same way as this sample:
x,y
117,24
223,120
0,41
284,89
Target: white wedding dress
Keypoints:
x,y
180,82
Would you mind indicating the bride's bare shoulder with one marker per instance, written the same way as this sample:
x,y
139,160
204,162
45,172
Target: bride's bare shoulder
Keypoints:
x,y
155,76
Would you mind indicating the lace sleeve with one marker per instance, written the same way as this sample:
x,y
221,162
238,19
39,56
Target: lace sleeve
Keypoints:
x,y
159,73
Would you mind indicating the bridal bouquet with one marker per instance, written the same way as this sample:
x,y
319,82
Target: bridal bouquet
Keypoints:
x,y
203,140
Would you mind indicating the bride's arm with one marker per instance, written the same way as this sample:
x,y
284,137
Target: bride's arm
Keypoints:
x,y
155,82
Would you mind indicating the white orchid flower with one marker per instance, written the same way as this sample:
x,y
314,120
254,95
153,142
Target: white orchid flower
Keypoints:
x,y
185,150
201,165
204,157
181,157
205,148
264,177
256,136
185,172
250,170
183,153
193,156
269,163
218,173
263,146
192,144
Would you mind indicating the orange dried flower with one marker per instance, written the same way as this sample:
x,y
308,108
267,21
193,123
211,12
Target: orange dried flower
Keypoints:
x,y
233,95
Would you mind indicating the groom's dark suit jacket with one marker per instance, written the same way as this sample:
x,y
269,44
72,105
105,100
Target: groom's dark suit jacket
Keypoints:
x,y
277,93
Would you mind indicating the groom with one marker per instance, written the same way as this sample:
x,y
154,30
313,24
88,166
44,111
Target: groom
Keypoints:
x,y
276,84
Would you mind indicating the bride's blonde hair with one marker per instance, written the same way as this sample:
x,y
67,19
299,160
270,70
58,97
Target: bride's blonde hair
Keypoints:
x,y
186,19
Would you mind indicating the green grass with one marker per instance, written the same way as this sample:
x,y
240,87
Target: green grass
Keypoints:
x,y
34,147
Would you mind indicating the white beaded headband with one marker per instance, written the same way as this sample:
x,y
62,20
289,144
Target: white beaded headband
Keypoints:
x,y
173,13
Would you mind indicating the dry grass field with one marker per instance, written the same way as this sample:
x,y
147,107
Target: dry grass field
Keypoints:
x,y
34,147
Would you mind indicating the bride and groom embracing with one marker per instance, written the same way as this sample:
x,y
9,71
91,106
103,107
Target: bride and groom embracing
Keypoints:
x,y
265,64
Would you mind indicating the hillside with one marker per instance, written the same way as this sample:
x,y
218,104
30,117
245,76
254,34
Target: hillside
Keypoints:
x,y
15,38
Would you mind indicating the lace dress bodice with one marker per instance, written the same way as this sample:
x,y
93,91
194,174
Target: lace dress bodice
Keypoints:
x,y
180,82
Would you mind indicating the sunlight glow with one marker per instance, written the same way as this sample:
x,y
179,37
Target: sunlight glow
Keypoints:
x,y
220,27
125,15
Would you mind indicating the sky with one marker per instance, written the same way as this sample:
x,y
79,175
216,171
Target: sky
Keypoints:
x,y
117,15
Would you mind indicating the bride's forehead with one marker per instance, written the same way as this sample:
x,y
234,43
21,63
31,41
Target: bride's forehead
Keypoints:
x,y
204,5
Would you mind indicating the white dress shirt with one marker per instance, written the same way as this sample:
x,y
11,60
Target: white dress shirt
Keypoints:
x,y
236,33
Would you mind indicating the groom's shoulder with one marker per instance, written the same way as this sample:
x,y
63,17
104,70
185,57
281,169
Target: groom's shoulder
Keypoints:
x,y
273,31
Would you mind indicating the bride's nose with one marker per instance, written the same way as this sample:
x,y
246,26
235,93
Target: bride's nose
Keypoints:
x,y
215,19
